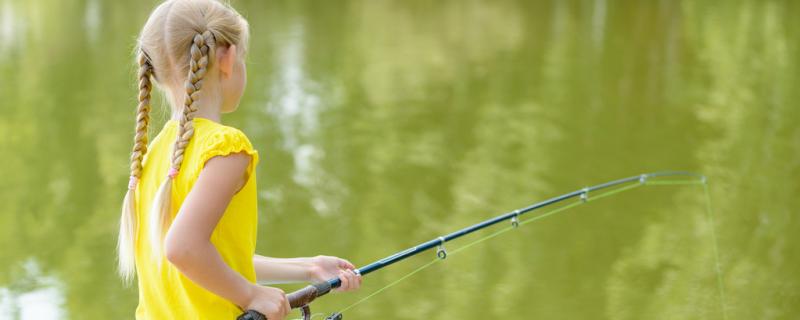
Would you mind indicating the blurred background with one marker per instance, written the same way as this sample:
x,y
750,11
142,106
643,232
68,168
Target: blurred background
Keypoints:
x,y
382,124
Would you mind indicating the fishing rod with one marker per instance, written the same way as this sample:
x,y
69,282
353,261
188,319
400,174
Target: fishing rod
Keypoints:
x,y
303,297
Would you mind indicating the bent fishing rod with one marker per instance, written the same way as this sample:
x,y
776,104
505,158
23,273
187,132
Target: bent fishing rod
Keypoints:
x,y
303,297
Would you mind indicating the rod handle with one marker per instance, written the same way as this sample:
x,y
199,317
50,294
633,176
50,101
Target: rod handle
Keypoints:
x,y
297,299
251,315
305,295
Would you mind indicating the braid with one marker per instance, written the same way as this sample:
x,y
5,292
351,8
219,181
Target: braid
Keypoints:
x,y
142,116
202,47
200,52
127,226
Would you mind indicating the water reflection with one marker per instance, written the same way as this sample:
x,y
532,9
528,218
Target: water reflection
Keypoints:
x,y
599,15
33,295
383,124
743,198
12,29
92,20
297,108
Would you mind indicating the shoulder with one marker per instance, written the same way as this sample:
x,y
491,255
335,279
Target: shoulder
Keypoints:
x,y
215,139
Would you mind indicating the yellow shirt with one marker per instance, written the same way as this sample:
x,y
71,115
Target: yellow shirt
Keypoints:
x,y
165,293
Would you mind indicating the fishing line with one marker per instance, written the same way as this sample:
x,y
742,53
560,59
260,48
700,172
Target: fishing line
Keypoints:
x,y
721,287
583,200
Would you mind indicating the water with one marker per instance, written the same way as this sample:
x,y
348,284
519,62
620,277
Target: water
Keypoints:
x,y
385,124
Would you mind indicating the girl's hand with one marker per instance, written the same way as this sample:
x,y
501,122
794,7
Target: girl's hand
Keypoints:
x,y
326,267
269,301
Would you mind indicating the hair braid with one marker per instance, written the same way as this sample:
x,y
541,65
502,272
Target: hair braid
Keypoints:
x,y
127,226
200,54
142,117
201,49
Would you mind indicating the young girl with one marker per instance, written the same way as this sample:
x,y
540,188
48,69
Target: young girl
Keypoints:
x,y
189,218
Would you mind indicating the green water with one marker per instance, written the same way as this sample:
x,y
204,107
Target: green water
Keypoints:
x,y
383,124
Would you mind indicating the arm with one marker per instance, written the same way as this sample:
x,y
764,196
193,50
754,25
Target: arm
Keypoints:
x,y
188,245
312,269
282,270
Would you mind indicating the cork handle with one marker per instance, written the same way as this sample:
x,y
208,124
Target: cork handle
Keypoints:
x,y
298,299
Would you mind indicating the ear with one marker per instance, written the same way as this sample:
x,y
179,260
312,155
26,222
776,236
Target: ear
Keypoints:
x,y
226,57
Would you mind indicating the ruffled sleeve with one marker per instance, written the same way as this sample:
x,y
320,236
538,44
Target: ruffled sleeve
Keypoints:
x,y
225,141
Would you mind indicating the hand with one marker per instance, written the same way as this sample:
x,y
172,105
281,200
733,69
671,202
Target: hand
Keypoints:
x,y
269,301
326,267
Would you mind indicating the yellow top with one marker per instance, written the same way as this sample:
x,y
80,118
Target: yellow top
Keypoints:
x,y
165,293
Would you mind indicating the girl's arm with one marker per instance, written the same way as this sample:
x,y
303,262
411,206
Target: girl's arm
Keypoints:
x,y
313,269
188,246
282,270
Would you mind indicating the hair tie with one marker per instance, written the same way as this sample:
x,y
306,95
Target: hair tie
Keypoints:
x,y
172,173
132,183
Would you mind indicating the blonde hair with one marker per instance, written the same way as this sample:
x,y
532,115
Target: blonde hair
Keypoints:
x,y
177,44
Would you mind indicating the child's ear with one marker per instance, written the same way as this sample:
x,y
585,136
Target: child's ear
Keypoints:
x,y
226,59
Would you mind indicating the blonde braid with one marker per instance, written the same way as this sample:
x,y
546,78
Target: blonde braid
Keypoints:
x,y
142,118
127,226
202,46
199,57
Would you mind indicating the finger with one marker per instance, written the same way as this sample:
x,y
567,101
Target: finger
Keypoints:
x,y
344,264
348,281
286,306
356,283
275,315
351,280
345,281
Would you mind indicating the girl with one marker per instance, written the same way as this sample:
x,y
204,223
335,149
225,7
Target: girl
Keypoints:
x,y
189,216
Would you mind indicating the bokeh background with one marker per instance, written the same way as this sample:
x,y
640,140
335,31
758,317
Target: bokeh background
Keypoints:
x,y
382,124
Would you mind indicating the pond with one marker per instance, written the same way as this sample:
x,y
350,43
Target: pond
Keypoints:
x,y
385,124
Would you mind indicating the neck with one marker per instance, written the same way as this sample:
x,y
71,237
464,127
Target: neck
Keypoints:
x,y
208,113
208,107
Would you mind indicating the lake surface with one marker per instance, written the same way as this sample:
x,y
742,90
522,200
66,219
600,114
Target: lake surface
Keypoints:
x,y
384,124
